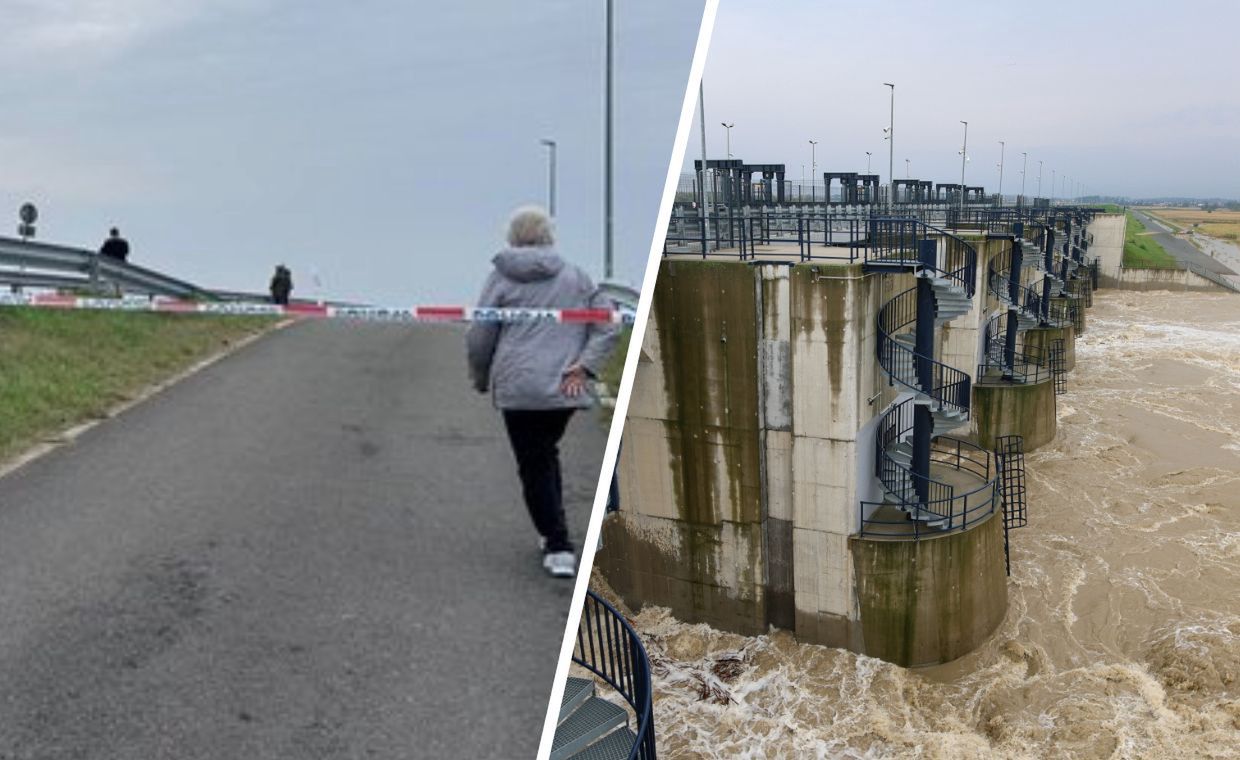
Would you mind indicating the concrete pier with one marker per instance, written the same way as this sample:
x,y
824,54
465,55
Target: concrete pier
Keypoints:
x,y
1024,409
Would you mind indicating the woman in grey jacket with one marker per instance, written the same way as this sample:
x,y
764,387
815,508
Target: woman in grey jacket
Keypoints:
x,y
539,372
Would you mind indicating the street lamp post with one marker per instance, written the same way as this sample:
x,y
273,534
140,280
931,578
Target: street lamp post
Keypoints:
x,y
705,174
867,162
550,145
1052,187
727,128
907,174
1039,179
608,258
964,156
891,145
813,170
1002,147
1023,166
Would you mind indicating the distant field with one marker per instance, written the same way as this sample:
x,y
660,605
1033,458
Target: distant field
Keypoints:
x,y
1222,224
1142,251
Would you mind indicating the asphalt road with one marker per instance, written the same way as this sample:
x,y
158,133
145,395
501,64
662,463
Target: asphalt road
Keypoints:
x,y
314,548
1179,247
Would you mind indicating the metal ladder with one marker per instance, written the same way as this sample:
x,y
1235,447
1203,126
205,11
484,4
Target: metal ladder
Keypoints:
x,y
1057,367
1010,460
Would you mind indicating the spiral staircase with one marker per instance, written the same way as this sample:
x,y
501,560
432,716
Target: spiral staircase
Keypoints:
x,y
1025,308
913,432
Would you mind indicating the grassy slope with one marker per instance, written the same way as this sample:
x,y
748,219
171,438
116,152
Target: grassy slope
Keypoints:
x,y
1142,250
59,368
615,368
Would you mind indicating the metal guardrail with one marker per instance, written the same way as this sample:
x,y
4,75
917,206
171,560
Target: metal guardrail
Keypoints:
x,y
608,647
34,264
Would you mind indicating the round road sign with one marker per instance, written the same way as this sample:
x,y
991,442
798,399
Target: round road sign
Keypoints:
x,y
28,213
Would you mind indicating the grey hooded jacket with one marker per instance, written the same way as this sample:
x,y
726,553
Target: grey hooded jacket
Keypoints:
x,y
524,363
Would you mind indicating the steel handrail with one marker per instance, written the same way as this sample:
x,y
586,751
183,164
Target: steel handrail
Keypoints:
x,y
949,386
608,647
69,261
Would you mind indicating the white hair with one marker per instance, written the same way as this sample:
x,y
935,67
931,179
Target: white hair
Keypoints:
x,y
530,226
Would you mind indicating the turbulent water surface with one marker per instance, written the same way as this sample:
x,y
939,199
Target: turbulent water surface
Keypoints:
x,y
1122,637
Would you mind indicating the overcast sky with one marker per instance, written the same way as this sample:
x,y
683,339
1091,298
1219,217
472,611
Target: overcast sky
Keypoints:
x,y
380,142
1132,98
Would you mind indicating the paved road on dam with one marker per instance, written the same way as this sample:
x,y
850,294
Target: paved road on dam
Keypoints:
x,y
314,548
1180,247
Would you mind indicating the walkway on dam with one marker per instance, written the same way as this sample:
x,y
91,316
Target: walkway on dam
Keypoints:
x,y
1179,247
314,548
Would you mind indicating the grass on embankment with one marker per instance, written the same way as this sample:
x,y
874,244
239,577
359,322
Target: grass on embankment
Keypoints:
x,y
1142,251
61,368
614,369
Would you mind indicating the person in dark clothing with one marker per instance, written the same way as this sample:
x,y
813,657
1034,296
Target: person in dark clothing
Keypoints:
x,y
115,247
281,285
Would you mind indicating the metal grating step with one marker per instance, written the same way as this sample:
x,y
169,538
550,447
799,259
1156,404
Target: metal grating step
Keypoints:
x,y
576,691
591,721
614,746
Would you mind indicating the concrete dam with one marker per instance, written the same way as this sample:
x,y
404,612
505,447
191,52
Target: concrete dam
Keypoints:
x,y
829,417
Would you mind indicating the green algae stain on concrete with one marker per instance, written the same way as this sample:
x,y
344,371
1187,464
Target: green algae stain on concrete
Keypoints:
x,y
705,314
820,306
931,601
1024,409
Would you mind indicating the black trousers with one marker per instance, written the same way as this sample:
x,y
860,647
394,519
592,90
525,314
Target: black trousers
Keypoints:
x,y
535,436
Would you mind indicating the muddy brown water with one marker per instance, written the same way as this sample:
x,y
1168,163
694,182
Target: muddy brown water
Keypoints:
x,y
1122,638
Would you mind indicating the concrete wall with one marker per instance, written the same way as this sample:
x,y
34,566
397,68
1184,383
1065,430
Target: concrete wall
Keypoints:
x,y
1108,246
1154,279
1026,410
691,535
931,601
834,342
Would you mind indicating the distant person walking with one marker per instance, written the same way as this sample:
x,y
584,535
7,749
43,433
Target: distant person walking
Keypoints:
x,y
115,247
281,285
539,372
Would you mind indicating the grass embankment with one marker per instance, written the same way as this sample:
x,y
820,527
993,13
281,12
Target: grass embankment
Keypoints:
x,y
61,368
1220,223
610,375
1141,251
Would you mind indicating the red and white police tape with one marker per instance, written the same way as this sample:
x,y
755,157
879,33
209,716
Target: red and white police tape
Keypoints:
x,y
371,313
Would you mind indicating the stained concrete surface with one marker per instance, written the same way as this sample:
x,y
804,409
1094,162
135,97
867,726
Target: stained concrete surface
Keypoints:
x,y
314,548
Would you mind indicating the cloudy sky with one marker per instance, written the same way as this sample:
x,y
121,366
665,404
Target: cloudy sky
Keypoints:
x,y
379,143
1131,98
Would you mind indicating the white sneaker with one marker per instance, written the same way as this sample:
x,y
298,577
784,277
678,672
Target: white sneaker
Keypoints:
x,y
560,564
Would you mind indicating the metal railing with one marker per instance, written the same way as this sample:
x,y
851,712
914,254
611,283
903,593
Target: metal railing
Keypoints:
x,y
31,264
957,511
1029,364
949,387
608,647
811,235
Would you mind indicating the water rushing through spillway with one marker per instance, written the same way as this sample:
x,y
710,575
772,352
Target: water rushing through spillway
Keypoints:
x,y
1122,637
